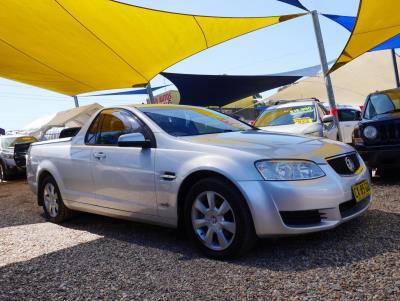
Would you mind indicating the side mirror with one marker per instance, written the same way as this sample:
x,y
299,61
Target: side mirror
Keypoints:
x,y
133,140
327,119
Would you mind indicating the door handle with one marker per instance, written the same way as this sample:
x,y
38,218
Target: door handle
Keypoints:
x,y
99,155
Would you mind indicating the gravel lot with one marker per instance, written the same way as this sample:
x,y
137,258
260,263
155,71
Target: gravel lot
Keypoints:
x,y
94,257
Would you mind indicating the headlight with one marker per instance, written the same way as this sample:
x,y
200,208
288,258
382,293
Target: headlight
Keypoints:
x,y
288,170
370,132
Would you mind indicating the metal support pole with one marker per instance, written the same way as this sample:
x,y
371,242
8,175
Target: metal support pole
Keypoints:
x,y
325,70
396,69
76,101
150,93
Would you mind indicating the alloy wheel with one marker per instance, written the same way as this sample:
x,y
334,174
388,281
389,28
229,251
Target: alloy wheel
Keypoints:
x,y
213,220
51,199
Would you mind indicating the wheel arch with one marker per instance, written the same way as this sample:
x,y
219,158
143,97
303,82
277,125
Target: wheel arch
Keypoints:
x,y
193,178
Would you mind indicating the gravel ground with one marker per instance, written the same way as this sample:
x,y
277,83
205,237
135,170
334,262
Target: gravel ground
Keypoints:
x,y
93,257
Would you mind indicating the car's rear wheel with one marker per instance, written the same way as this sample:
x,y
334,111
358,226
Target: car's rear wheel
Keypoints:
x,y
53,205
218,220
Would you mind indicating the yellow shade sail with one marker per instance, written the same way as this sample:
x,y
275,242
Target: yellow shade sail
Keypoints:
x,y
73,47
377,22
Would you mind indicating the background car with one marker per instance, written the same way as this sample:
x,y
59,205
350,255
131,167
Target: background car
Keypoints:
x,y
305,117
8,165
349,117
377,136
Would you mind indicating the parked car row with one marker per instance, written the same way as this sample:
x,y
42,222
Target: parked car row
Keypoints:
x,y
222,181
309,117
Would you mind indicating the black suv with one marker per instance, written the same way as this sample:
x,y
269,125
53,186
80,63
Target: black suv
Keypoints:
x,y
10,164
377,137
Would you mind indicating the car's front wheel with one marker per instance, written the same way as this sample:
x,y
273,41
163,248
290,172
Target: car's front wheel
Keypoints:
x,y
3,173
218,220
53,205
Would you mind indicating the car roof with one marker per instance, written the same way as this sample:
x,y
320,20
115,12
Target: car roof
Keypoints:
x,y
170,106
293,104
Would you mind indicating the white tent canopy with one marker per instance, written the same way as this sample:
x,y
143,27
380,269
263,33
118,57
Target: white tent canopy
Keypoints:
x,y
75,117
39,122
351,84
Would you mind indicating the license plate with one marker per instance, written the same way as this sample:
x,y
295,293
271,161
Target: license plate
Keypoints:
x,y
361,191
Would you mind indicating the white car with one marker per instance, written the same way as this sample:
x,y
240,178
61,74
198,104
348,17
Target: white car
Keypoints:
x,y
298,117
349,117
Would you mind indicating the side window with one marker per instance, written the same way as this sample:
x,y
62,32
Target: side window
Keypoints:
x,y
92,132
115,123
111,124
321,111
348,115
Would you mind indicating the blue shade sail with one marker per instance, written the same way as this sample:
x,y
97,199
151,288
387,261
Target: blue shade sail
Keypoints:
x,y
132,92
220,90
349,23
296,3
392,43
346,21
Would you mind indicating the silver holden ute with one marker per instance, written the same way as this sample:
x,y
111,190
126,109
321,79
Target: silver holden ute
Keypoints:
x,y
301,117
222,181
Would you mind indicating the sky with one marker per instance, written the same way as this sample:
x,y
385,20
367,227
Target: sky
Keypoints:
x,y
284,47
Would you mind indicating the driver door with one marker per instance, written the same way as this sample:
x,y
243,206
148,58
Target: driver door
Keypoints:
x,y
123,177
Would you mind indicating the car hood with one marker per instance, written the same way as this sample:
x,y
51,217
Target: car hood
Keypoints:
x,y
293,128
269,145
384,117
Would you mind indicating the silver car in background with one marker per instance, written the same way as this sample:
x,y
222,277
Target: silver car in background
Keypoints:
x,y
307,117
222,181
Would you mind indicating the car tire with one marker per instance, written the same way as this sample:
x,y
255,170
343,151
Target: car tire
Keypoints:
x,y
53,204
218,220
3,173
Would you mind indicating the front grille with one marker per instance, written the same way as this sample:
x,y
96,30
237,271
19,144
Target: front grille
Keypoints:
x,y
299,218
343,166
388,133
352,207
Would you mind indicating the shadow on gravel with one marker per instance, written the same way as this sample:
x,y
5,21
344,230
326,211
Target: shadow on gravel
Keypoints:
x,y
387,177
373,234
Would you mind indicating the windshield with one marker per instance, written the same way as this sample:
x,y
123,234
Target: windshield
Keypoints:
x,y
11,141
185,121
286,116
382,104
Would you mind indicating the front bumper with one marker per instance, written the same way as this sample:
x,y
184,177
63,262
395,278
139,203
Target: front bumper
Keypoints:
x,y
331,197
380,156
11,168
